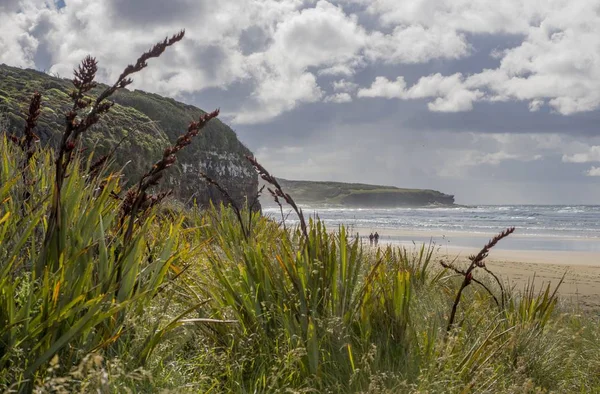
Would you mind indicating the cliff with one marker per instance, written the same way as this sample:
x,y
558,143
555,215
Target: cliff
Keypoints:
x,y
362,195
144,124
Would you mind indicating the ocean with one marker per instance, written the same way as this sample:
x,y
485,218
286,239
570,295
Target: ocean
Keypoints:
x,y
538,227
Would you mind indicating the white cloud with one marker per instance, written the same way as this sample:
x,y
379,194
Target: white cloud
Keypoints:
x,y
338,70
323,36
498,157
594,171
320,36
450,92
383,87
592,155
338,98
457,101
277,94
17,45
415,44
535,105
558,60
473,16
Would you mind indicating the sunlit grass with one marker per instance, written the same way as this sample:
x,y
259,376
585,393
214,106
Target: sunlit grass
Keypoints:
x,y
202,308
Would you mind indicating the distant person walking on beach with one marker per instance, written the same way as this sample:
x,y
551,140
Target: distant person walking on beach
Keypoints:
x,y
371,237
376,237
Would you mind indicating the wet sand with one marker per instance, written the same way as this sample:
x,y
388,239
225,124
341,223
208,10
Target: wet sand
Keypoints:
x,y
518,267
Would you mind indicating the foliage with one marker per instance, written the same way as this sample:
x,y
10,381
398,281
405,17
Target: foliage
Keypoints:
x,y
77,260
80,306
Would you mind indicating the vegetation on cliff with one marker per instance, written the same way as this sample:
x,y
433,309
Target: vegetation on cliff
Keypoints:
x,y
138,127
363,195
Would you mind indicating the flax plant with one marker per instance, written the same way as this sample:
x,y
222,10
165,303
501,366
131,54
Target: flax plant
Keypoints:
x,y
69,275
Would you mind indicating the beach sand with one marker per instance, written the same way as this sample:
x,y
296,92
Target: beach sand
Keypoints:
x,y
581,286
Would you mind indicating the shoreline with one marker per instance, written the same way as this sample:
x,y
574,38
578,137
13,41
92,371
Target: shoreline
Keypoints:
x,y
439,233
582,248
580,288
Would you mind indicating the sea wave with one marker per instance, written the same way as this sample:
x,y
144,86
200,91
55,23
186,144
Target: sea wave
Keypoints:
x,y
544,220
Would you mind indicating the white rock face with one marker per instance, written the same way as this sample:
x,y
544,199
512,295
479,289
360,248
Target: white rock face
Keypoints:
x,y
230,169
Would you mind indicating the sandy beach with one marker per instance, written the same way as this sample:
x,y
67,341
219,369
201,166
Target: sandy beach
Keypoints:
x,y
517,266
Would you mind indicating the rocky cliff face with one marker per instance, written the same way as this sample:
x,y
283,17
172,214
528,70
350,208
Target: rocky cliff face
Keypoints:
x,y
143,124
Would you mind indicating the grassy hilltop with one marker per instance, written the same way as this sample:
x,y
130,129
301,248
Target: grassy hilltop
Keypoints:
x,y
359,194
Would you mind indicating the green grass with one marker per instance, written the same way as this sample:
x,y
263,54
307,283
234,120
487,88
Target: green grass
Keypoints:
x,y
198,308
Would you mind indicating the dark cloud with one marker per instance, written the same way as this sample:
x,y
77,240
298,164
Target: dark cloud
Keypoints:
x,y
43,54
254,39
210,59
9,6
507,117
156,12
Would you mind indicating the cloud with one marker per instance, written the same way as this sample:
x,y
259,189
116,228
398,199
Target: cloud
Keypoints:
x,y
557,62
535,105
338,70
450,92
383,87
592,155
478,16
594,171
9,6
323,36
554,64
415,44
344,86
338,98
456,101
17,45
278,93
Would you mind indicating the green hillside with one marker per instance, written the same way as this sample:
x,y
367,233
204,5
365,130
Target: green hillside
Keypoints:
x,y
143,124
359,194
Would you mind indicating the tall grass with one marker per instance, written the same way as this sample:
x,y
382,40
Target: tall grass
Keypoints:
x,y
79,307
217,305
71,275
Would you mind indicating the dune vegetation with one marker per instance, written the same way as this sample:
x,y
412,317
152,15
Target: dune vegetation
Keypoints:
x,y
108,286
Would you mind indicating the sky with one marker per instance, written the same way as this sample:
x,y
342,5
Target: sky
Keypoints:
x,y
496,102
